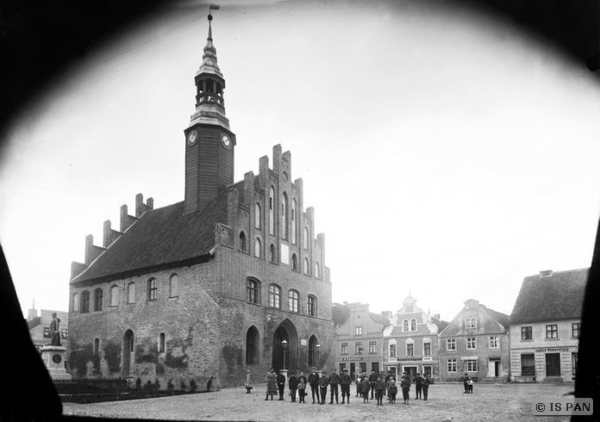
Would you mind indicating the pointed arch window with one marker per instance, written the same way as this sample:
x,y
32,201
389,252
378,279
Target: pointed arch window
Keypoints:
x,y
75,306
293,298
242,241
306,267
294,221
131,292
272,255
252,342
306,237
257,216
294,262
253,291
272,210
174,285
311,306
284,215
85,302
317,270
114,296
257,248
312,351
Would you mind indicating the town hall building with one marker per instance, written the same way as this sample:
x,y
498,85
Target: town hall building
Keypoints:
x,y
229,279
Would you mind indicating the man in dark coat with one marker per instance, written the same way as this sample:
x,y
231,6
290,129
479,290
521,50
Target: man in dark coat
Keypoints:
x,y
334,380
425,386
293,385
313,381
323,382
281,384
466,382
373,381
418,385
345,381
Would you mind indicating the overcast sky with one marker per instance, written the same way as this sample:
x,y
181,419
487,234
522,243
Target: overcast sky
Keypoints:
x,y
445,153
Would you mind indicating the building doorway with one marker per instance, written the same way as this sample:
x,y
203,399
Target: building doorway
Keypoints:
x,y
353,370
394,371
428,371
285,357
375,367
553,364
128,363
411,371
493,368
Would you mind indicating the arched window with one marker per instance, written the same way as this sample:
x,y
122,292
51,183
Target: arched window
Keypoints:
x,y
274,296
242,241
131,293
413,325
272,210
317,270
312,351
294,221
257,216
311,306
306,266
284,216
293,298
253,291
405,325
98,295
161,343
174,285
306,237
75,302
152,289
252,342
294,262
114,296
272,253
257,248
85,302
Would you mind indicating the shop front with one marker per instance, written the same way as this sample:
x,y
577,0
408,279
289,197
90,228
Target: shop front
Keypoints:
x,y
538,364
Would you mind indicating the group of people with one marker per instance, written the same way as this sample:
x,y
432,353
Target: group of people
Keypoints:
x,y
375,384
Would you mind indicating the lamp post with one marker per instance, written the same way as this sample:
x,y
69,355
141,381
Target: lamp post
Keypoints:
x,y
318,356
284,344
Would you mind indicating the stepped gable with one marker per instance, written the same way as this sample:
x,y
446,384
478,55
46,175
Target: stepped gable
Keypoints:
x,y
160,237
550,296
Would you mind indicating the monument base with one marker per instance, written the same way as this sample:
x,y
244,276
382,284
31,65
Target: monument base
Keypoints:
x,y
54,359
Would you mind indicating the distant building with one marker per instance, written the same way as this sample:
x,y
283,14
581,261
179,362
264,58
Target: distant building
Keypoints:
x,y
39,326
545,325
476,343
359,340
411,342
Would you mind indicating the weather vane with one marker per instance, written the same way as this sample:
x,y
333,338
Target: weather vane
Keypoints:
x,y
210,8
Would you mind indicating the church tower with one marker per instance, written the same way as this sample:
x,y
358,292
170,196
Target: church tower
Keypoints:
x,y
209,144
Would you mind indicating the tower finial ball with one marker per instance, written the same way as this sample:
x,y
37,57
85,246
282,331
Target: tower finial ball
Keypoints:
x,y
209,17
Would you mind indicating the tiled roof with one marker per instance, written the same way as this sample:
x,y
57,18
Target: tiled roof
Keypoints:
x,y
551,297
498,316
379,319
160,237
440,324
32,323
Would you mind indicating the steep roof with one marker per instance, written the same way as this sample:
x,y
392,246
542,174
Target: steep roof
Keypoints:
x,y
554,296
160,237
498,316
32,323
440,324
379,319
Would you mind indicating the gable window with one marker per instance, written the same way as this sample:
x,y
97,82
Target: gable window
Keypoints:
x,y
372,347
114,296
76,302
272,253
451,344
471,323
392,350
344,349
274,296
161,343
257,248
575,329
526,333
311,306
271,211
85,302
451,365
471,343
494,342
284,216
293,297
242,241
98,300
252,291
294,221
306,266
257,216
413,325
551,331
405,325
358,331
174,285
131,293
152,289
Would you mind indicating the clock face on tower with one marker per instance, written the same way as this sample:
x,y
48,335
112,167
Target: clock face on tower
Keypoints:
x,y
226,141
192,137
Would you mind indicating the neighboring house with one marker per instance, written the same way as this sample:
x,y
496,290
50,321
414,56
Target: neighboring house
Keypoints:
x,y
358,340
475,342
39,327
545,325
232,278
411,342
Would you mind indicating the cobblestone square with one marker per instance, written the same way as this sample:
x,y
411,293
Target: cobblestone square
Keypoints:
x,y
447,402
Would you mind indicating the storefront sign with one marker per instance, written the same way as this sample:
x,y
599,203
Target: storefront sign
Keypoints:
x,y
552,349
407,358
427,359
350,359
393,360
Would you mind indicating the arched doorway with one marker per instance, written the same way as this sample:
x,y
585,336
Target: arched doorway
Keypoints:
x,y
286,331
313,352
128,353
252,342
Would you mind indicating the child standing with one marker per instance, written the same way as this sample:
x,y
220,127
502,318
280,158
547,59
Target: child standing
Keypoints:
x,y
379,388
365,386
248,383
301,389
392,391
405,386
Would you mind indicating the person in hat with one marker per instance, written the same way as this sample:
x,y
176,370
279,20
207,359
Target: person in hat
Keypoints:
x,y
293,386
313,381
323,383
373,381
418,386
405,386
379,387
334,380
281,384
345,381
365,387
426,382
466,382
392,391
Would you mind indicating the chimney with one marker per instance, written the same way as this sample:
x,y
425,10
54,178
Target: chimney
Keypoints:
x,y
126,219
546,273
